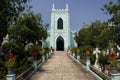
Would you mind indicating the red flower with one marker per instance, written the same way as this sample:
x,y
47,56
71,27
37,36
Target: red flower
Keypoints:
x,y
112,56
87,49
11,56
10,60
34,52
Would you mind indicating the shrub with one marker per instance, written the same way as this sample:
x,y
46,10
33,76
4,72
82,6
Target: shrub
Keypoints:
x,y
11,46
10,61
92,59
112,59
34,51
103,60
42,51
78,51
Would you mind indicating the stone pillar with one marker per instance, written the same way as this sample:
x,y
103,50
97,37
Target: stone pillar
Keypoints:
x,y
88,64
78,57
10,77
46,56
35,63
74,55
49,54
43,58
68,51
115,76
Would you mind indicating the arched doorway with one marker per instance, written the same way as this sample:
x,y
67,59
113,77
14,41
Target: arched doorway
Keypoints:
x,y
60,44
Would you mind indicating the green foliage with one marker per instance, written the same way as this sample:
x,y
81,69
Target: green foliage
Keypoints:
x,y
9,11
10,60
100,34
103,60
97,34
82,54
42,51
113,9
112,59
113,63
25,29
74,49
92,59
2,68
46,49
78,51
10,63
11,46
28,28
34,50
17,49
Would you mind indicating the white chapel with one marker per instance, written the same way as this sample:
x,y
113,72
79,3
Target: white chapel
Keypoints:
x,y
60,36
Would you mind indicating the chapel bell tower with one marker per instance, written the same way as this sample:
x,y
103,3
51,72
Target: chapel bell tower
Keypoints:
x,y
60,28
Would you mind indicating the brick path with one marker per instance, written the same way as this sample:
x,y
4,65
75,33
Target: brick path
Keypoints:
x,y
61,67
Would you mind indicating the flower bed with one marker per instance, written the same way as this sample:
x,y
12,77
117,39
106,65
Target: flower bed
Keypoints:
x,y
10,61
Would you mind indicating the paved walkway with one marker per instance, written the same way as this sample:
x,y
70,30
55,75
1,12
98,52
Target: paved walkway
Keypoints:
x,y
61,67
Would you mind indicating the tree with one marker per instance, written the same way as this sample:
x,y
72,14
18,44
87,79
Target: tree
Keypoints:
x,y
97,34
113,9
9,10
27,29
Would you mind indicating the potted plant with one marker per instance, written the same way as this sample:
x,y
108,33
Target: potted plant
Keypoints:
x,y
34,52
113,67
42,53
87,53
103,61
10,63
73,50
113,63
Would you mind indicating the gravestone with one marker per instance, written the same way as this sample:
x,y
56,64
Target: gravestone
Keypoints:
x,y
5,39
107,51
96,51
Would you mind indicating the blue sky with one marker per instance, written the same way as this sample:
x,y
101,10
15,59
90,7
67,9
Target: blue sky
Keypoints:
x,y
81,11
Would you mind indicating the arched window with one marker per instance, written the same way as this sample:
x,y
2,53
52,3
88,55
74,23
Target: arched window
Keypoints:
x,y
60,23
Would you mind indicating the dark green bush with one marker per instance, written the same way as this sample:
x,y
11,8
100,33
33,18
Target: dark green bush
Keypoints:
x,y
103,60
92,59
22,58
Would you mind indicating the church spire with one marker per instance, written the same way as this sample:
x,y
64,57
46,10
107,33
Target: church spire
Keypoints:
x,y
53,7
67,7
